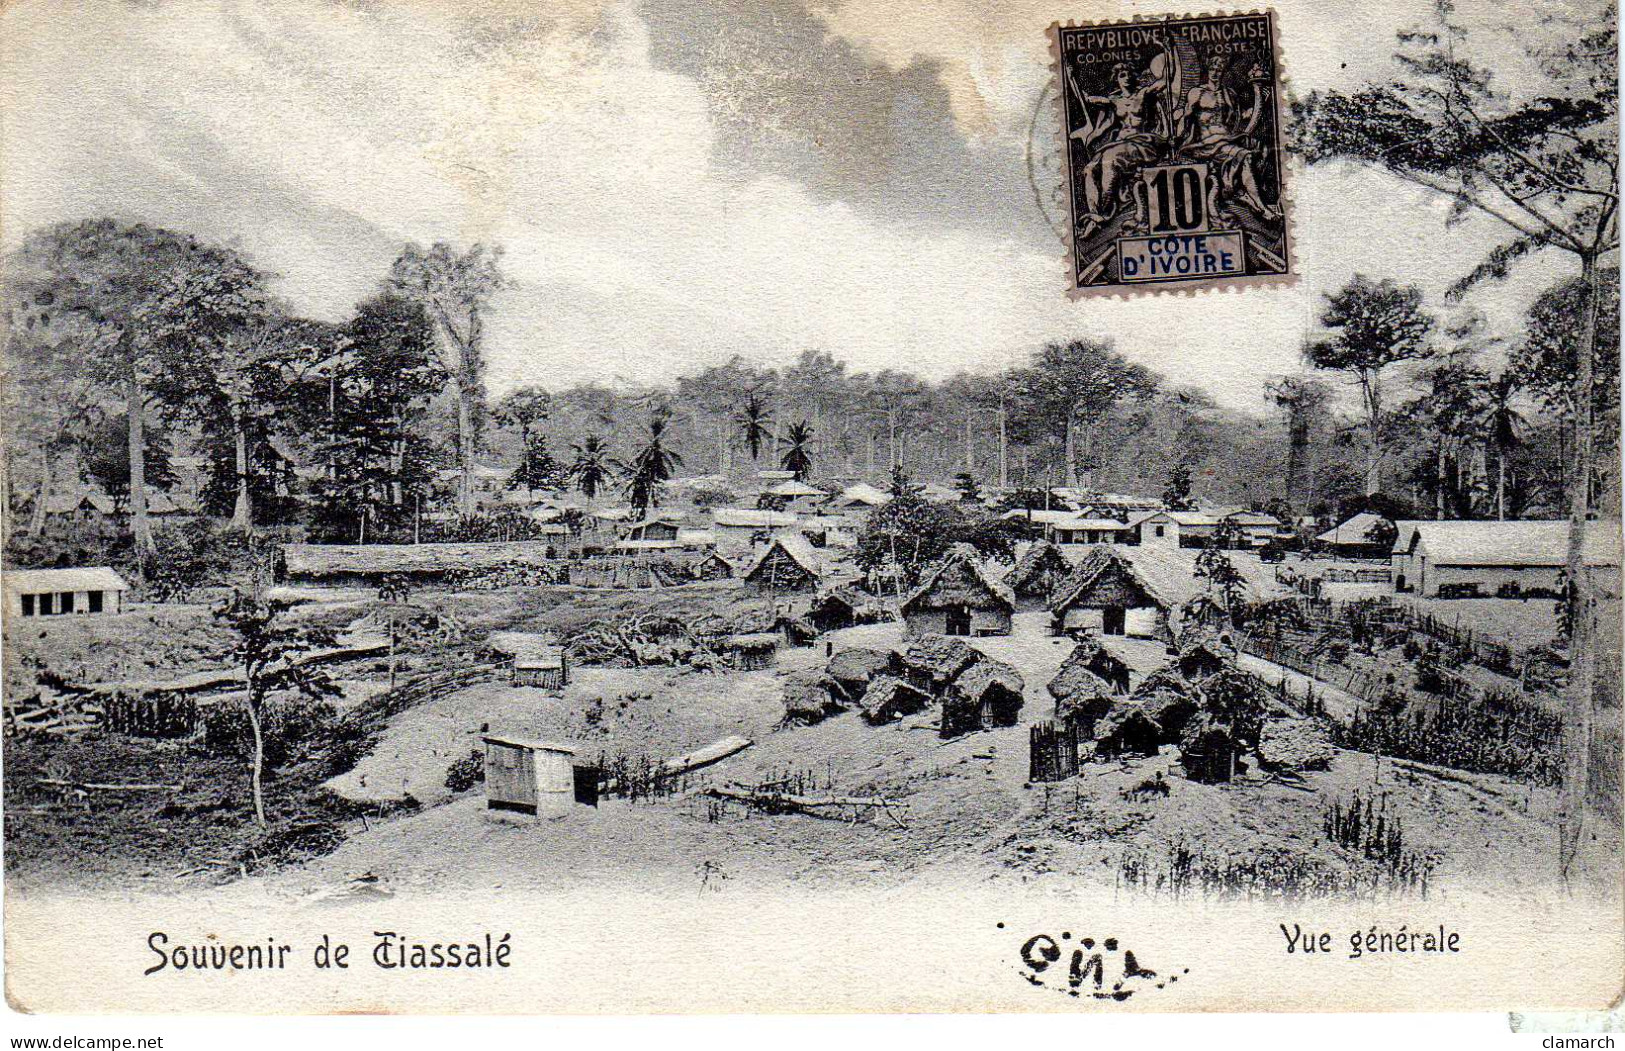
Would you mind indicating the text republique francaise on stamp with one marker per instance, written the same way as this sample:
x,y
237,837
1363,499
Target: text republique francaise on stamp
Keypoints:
x,y
1171,135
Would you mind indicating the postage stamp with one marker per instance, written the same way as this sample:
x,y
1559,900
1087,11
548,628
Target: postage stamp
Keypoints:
x,y
1171,138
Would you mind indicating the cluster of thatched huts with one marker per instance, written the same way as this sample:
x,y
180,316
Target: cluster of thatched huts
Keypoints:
x,y
970,690
1219,717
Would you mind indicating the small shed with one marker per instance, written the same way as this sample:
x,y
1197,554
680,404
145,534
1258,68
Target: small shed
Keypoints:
x,y
1205,655
1107,593
888,699
1208,751
833,610
93,590
932,662
1081,696
526,776
1127,730
787,563
753,651
958,597
1039,569
712,566
544,666
987,695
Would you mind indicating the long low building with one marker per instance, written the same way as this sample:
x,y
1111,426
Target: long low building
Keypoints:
x,y
330,562
1466,559
90,591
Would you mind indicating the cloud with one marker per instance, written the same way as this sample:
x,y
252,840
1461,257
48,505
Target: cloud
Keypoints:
x,y
671,186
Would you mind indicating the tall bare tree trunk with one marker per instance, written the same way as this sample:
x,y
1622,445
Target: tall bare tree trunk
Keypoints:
x,y
1004,446
1438,481
242,515
465,449
36,520
1501,486
1577,741
1070,452
970,447
259,761
136,411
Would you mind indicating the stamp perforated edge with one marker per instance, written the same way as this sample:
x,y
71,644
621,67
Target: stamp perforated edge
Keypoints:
x,y
1195,287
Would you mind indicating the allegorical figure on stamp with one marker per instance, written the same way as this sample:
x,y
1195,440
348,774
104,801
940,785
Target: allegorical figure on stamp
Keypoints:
x,y
1211,130
1123,132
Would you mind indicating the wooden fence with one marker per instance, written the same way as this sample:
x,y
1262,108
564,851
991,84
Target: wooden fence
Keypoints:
x,y
1364,685
1054,751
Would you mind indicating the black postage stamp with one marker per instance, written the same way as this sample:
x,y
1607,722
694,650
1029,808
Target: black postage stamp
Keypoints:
x,y
1172,141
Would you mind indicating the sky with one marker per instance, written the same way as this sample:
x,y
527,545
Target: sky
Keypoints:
x,y
673,184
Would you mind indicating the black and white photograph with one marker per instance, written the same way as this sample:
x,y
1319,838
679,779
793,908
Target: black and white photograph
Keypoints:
x,y
793,506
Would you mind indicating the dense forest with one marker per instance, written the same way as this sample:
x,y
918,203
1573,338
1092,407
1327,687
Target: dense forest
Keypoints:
x,y
130,347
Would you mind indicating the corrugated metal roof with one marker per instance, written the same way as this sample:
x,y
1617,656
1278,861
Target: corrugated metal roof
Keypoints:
x,y
1510,543
38,581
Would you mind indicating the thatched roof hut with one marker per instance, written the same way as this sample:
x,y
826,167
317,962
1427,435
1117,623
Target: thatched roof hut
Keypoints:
x,y
834,609
1208,751
1172,710
811,698
1037,572
1109,594
1091,653
931,662
959,597
888,699
1127,730
986,695
1205,654
853,669
1081,697
787,563
751,651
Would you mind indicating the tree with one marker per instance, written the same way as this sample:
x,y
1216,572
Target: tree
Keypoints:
x,y
365,412
1373,325
655,463
1177,494
1544,166
1546,363
1302,402
524,408
897,397
752,419
267,648
104,456
47,401
538,467
798,443
1075,386
455,289
593,466
230,376
1504,424
125,289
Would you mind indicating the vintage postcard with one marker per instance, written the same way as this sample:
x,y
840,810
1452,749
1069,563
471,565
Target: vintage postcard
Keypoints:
x,y
607,507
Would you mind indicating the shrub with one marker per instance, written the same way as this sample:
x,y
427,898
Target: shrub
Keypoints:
x,y
288,724
466,772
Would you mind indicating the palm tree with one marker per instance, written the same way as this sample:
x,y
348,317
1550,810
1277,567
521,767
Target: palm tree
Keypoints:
x,y
1504,423
753,423
653,464
797,443
593,466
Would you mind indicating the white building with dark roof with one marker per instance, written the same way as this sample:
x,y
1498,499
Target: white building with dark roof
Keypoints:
x,y
1464,559
94,590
